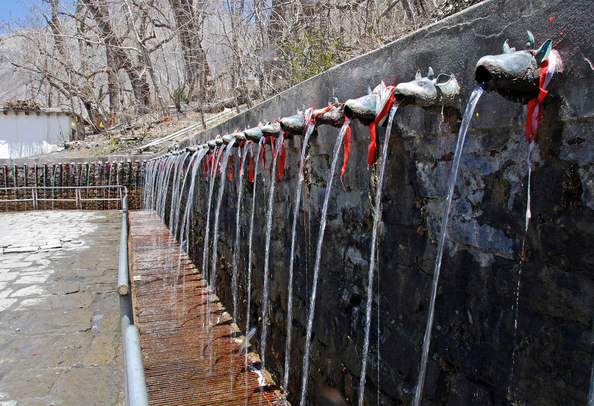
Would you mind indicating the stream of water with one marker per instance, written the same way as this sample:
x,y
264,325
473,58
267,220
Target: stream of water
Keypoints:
x,y
308,132
266,278
312,304
376,219
218,208
212,174
474,98
237,245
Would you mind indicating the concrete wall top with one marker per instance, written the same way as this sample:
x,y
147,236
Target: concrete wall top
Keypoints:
x,y
453,46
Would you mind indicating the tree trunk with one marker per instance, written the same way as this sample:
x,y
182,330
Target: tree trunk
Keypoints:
x,y
140,86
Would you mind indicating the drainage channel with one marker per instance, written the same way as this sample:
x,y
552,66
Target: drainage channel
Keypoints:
x,y
190,348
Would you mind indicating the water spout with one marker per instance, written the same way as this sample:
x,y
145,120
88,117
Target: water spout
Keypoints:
x,y
333,116
296,123
428,91
515,74
272,129
253,134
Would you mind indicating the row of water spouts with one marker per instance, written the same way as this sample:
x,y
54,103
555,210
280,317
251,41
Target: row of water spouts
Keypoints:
x,y
521,71
49,176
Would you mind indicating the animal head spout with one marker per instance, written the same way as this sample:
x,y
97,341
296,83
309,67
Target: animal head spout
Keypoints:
x,y
428,91
515,74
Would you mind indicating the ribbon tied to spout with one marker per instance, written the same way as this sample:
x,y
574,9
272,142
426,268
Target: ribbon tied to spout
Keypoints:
x,y
547,69
385,102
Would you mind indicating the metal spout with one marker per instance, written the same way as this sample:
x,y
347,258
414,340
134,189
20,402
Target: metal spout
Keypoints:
x,y
227,138
293,124
364,108
240,136
219,141
212,144
428,91
273,129
334,117
253,134
515,74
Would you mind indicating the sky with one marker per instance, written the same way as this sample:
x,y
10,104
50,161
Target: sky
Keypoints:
x,y
11,6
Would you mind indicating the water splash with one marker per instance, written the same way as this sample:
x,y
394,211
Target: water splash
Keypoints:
x,y
312,304
267,256
215,240
308,132
474,98
376,218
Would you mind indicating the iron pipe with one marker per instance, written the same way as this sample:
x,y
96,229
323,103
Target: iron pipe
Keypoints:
x,y
123,276
136,382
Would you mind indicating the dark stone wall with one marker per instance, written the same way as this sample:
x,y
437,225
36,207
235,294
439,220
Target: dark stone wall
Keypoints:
x,y
474,356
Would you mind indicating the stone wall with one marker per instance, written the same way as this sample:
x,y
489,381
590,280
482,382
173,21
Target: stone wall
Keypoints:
x,y
475,356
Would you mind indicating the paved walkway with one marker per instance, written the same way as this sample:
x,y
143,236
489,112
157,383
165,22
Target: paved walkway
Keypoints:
x,y
59,313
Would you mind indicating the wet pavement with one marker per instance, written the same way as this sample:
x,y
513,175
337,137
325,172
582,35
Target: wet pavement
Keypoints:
x,y
59,315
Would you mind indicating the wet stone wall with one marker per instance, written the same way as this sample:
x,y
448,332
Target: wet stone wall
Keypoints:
x,y
55,185
477,356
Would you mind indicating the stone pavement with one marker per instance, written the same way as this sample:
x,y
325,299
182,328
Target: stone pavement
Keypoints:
x,y
60,338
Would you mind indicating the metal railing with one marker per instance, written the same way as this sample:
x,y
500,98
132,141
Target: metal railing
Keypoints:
x,y
134,378
39,194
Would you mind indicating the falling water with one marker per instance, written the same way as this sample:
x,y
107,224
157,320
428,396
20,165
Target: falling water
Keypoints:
x,y
212,175
236,247
520,266
312,304
174,227
176,189
175,186
308,133
378,197
218,208
474,98
185,227
267,255
250,238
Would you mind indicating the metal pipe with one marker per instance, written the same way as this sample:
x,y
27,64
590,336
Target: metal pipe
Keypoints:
x,y
123,277
135,379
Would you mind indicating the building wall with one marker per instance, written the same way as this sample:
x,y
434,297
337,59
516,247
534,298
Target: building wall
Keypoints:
x,y
24,135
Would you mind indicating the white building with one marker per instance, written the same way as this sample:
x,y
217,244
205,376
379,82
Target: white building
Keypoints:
x,y
25,133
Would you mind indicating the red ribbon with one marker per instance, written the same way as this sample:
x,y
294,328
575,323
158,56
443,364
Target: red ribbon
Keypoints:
x,y
267,140
230,168
347,153
206,164
531,133
282,157
372,151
